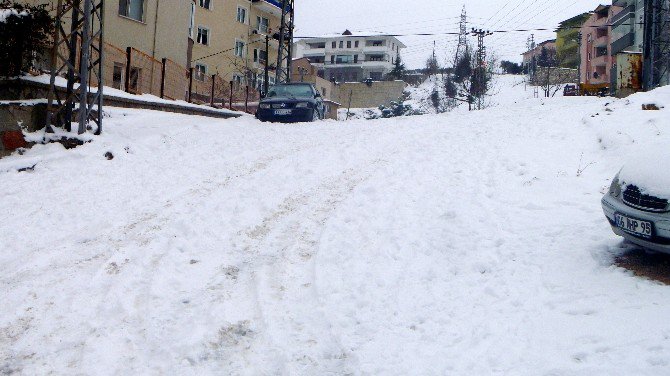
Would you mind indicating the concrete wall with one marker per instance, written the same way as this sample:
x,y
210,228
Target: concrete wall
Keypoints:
x,y
28,112
364,96
16,117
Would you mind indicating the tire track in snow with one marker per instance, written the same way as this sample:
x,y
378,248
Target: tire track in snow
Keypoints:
x,y
283,247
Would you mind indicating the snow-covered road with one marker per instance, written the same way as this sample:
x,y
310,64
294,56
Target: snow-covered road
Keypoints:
x,y
463,244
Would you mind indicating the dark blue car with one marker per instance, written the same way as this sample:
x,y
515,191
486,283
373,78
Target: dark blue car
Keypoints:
x,y
291,103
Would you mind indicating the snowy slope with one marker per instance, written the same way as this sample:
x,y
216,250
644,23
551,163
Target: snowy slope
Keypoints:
x,y
463,244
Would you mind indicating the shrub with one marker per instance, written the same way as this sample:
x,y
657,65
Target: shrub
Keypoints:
x,y
25,33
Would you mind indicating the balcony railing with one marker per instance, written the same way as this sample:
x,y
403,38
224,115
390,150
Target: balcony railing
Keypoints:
x,y
627,12
622,43
271,6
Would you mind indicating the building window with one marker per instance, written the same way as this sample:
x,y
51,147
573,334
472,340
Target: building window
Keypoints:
x,y
132,9
356,44
260,56
118,78
341,44
334,44
191,24
241,15
355,59
203,36
135,80
262,24
238,79
200,72
239,48
348,44
207,4
344,59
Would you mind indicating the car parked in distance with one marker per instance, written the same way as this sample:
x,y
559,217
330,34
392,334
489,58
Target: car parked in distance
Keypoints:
x,y
570,90
637,212
291,103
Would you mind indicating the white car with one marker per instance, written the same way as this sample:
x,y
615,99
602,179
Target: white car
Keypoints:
x,y
637,204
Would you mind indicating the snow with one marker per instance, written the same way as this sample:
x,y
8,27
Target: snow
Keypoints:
x,y
8,12
648,162
464,243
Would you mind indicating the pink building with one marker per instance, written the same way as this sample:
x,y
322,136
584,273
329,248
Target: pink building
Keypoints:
x,y
531,56
596,54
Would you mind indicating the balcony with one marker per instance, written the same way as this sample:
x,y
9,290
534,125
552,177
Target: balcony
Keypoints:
x,y
623,43
625,15
272,7
600,61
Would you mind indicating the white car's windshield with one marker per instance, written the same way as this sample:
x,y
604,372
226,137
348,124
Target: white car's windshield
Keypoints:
x,y
291,91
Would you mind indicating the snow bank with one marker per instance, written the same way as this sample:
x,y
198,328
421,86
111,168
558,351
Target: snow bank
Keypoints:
x,y
640,137
660,97
109,91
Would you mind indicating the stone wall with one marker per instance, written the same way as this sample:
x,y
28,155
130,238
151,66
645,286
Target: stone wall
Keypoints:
x,y
365,95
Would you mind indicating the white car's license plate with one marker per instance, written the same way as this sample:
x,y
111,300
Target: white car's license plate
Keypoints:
x,y
282,112
634,226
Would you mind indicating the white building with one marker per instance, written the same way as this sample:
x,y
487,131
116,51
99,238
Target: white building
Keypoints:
x,y
351,57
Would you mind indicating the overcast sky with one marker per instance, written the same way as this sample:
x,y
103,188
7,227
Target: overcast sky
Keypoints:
x,y
316,17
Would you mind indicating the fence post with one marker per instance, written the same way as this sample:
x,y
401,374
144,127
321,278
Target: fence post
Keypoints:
x,y
230,100
211,99
129,52
163,63
246,100
190,85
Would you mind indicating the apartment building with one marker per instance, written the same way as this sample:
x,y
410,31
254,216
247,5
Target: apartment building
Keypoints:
x,y
627,26
532,56
351,56
230,39
159,28
596,48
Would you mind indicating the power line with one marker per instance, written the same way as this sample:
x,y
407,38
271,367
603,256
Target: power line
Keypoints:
x,y
457,33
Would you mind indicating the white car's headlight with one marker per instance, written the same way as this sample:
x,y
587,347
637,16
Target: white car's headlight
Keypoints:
x,y
264,106
302,105
615,188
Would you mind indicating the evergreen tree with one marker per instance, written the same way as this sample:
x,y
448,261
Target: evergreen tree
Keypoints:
x,y
432,65
463,68
399,70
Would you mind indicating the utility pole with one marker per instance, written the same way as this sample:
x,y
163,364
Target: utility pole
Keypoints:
x,y
648,72
83,42
266,69
579,66
462,36
284,54
480,69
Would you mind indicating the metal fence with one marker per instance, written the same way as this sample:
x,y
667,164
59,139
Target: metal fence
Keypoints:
x,y
136,72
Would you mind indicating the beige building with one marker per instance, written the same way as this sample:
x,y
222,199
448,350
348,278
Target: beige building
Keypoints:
x,y
159,28
230,39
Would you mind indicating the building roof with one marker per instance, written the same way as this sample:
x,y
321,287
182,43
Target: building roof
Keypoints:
x,y
602,8
357,34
